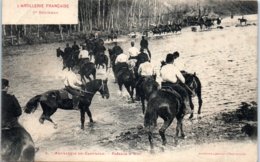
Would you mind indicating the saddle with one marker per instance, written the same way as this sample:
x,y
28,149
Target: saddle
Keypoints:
x,y
64,94
172,91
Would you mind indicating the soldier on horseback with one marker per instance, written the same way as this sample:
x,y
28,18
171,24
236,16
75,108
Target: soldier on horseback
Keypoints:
x,y
73,86
68,50
145,71
173,80
75,47
133,51
121,62
11,108
84,56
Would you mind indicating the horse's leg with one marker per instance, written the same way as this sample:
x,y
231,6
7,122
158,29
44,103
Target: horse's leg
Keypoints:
x,y
49,119
47,112
120,88
130,92
191,106
89,115
179,126
167,122
42,118
82,117
200,101
143,103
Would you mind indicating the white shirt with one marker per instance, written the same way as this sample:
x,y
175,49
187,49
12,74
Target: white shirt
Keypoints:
x,y
146,69
72,80
171,74
121,58
133,51
83,54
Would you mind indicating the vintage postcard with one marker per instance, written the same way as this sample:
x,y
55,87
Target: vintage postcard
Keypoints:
x,y
129,80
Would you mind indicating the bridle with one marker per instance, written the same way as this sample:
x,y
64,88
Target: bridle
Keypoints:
x,y
191,84
102,87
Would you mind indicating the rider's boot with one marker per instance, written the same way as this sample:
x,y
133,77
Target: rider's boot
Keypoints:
x,y
75,101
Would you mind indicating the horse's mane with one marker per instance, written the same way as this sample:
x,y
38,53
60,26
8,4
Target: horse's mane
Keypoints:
x,y
91,84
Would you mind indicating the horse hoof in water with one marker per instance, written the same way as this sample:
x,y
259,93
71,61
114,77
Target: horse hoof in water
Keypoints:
x,y
55,126
41,120
191,116
183,136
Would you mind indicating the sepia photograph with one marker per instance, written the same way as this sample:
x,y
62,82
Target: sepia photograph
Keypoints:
x,y
129,80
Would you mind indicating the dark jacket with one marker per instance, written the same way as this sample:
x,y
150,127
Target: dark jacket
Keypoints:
x,y
75,47
11,110
68,51
116,50
144,44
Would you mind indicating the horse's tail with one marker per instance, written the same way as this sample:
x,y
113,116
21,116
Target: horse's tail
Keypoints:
x,y
32,104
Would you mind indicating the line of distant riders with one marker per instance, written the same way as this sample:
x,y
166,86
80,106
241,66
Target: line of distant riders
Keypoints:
x,y
133,70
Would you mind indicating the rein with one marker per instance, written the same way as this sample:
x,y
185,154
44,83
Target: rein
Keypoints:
x,y
189,85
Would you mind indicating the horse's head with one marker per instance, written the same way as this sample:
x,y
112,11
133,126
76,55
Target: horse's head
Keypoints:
x,y
58,52
190,81
103,89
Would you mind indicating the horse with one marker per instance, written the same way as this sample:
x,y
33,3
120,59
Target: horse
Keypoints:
x,y
194,84
145,89
17,145
101,60
87,69
242,20
52,100
167,105
111,36
68,61
125,76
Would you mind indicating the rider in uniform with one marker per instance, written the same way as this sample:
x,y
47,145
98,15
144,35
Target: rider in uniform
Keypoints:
x,y
75,47
121,61
144,45
133,53
173,79
84,56
73,86
141,58
145,70
11,108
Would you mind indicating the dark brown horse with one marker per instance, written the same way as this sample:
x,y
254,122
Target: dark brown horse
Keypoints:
x,y
145,89
87,69
167,105
52,100
101,60
194,84
242,20
125,76
17,145
70,60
